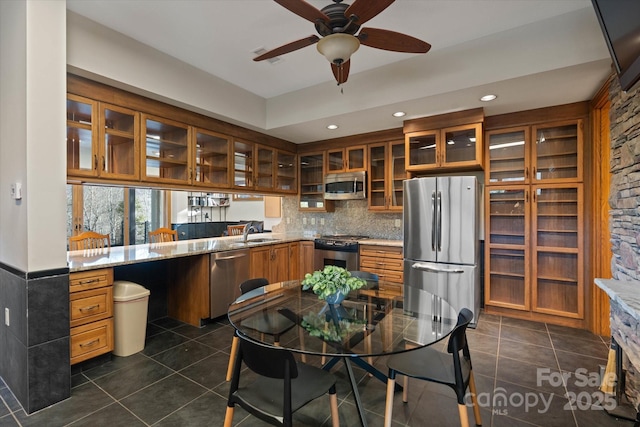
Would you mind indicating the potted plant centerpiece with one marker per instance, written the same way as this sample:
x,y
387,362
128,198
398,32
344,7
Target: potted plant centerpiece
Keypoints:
x,y
332,283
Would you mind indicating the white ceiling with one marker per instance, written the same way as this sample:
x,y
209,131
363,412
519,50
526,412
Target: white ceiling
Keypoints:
x,y
531,53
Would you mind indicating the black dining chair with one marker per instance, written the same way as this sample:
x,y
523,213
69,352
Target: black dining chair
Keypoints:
x,y
451,368
268,325
282,387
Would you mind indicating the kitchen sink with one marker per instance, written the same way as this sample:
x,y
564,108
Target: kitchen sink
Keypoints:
x,y
261,240
251,242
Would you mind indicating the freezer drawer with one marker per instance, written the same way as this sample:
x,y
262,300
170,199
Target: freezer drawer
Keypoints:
x,y
458,284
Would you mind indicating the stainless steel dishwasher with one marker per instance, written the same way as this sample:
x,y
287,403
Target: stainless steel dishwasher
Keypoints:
x,y
228,270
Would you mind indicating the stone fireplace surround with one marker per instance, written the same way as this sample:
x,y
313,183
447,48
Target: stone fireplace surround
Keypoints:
x,y
624,224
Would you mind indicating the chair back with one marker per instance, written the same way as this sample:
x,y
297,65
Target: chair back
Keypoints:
x,y
458,338
89,240
235,230
251,284
163,234
271,362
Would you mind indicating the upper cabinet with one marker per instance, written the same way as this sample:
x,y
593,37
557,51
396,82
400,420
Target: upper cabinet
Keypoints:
x,y
261,168
312,183
166,151
550,152
350,159
286,172
265,168
243,164
102,140
445,142
449,148
212,159
386,173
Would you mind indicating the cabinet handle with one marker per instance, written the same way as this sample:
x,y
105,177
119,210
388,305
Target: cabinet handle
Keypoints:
x,y
104,164
95,161
526,196
89,308
534,173
90,343
88,282
526,173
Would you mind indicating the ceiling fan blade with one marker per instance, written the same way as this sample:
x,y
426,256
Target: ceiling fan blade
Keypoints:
x,y
390,40
364,10
341,72
303,9
289,47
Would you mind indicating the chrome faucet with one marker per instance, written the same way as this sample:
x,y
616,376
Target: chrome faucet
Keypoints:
x,y
245,232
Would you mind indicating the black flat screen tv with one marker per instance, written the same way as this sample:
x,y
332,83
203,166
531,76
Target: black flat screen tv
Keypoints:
x,y
620,23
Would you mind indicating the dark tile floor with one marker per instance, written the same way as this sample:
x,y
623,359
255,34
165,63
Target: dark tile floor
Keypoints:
x,y
178,380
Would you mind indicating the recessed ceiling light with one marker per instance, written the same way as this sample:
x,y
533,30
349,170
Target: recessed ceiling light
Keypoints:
x,y
332,127
399,114
488,98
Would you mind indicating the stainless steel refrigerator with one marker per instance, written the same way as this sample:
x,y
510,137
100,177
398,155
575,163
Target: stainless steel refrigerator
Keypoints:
x,y
441,240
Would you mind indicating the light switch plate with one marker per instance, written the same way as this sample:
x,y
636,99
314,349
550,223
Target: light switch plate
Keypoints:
x,y
398,223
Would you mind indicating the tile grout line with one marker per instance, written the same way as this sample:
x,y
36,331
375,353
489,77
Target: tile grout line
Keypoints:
x,y
564,383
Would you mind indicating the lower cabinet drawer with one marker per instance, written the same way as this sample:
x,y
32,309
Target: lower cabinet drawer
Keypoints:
x,y
89,306
91,340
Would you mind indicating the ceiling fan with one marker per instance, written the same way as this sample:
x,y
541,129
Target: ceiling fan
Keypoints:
x,y
337,25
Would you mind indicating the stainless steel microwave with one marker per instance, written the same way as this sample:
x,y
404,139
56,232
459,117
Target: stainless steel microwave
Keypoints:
x,y
345,186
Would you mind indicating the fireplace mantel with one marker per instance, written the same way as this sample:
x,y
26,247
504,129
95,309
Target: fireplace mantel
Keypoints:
x,y
626,293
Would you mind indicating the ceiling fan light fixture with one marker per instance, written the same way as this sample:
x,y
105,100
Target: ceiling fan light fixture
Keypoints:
x,y
338,48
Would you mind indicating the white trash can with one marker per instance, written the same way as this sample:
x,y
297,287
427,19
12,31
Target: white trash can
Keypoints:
x,y
131,302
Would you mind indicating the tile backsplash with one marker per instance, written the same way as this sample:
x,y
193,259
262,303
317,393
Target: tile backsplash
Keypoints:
x,y
349,217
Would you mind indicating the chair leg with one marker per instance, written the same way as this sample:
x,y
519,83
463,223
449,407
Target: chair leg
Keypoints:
x,y
388,409
232,357
405,389
464,417
228,417
474,399
335,417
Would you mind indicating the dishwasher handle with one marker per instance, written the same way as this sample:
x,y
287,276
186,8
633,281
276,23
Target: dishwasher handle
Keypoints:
x,y
226,258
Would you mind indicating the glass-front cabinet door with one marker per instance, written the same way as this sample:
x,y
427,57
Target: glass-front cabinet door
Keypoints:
x,y
386,173
507,247
312,183
461,146
557,152
350,159
421,149
82,136
166,148
211,164
508,156
119,130
286,172
557,243
265,168
243,164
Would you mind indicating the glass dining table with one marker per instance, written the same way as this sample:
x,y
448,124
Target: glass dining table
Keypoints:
x,y
368,323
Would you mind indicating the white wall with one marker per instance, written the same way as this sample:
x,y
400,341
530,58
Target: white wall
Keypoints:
x,y
32,133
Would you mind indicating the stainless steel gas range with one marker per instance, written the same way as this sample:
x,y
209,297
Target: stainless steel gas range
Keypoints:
x,y
337,249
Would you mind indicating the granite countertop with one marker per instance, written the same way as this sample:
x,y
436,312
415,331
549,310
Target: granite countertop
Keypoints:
x,y
381,242
132,254
624,293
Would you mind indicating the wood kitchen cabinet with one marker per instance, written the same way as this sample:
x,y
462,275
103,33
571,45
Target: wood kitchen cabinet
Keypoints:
x,y
166,151
386,173
306,261
312,171
91,314
535,222
212,154
457,147
265,163
286,172
277,263
349,159
534,249
102,140
550,152
387,263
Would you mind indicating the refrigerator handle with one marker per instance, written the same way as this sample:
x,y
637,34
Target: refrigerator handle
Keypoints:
x,y
429,267
434,223
439,208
